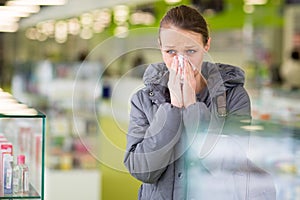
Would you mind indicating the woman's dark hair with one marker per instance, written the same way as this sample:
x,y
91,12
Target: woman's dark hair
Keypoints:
x,y
186,18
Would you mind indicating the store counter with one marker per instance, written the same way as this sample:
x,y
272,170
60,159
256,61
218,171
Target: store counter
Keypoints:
x,y
72,184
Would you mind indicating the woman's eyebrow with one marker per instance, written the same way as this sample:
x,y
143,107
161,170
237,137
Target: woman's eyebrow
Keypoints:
x,y
168,46
191,46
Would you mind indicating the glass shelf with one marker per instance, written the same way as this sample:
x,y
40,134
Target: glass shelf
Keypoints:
x,y
32,194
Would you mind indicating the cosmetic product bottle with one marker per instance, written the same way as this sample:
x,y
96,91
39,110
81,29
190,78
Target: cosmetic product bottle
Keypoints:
x,y
8,174
20,176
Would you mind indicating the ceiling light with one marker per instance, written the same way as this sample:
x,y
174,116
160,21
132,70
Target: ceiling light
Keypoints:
x,y
73,26
121,31
140,17
61,32
9,27
86,19
10,11
121,13
37,2
98,27
172,1
31,33
103,16
25,8
41,37
8,18
47,28
255,2
86,33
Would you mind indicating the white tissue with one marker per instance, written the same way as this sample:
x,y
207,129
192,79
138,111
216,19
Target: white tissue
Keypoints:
x,y
181,65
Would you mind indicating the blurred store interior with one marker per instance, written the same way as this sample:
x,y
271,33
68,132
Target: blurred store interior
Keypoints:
x,y
80,61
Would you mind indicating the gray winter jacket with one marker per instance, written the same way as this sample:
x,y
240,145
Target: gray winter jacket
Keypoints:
x,y
161,135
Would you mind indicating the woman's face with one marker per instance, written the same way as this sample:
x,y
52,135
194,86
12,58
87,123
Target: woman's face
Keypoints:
x,y
175,41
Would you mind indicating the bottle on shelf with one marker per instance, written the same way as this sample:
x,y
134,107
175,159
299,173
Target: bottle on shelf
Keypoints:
x,y
8,173
21,176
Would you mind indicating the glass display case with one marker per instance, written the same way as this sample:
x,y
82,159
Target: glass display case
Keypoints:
x,y
264,159
22,139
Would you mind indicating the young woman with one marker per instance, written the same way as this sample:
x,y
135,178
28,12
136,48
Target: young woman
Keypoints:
x,y
183,112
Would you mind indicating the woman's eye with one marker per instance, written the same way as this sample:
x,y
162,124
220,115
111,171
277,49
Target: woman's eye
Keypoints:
x,y
171,52
190,51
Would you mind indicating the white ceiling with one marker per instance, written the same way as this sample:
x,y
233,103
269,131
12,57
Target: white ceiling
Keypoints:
x,y
74,8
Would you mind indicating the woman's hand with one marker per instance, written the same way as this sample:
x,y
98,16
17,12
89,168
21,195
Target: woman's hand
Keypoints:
x,y
189,84
174,84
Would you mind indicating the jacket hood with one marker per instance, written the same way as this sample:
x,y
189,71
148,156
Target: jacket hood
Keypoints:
x,y
217,75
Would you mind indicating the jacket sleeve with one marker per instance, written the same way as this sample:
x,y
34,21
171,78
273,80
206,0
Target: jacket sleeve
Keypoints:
x,y
150,145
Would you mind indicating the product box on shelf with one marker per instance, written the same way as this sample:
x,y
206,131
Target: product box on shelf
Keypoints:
x,y
6,151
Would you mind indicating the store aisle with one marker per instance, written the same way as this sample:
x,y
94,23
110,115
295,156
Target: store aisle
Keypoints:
x,y
116,184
